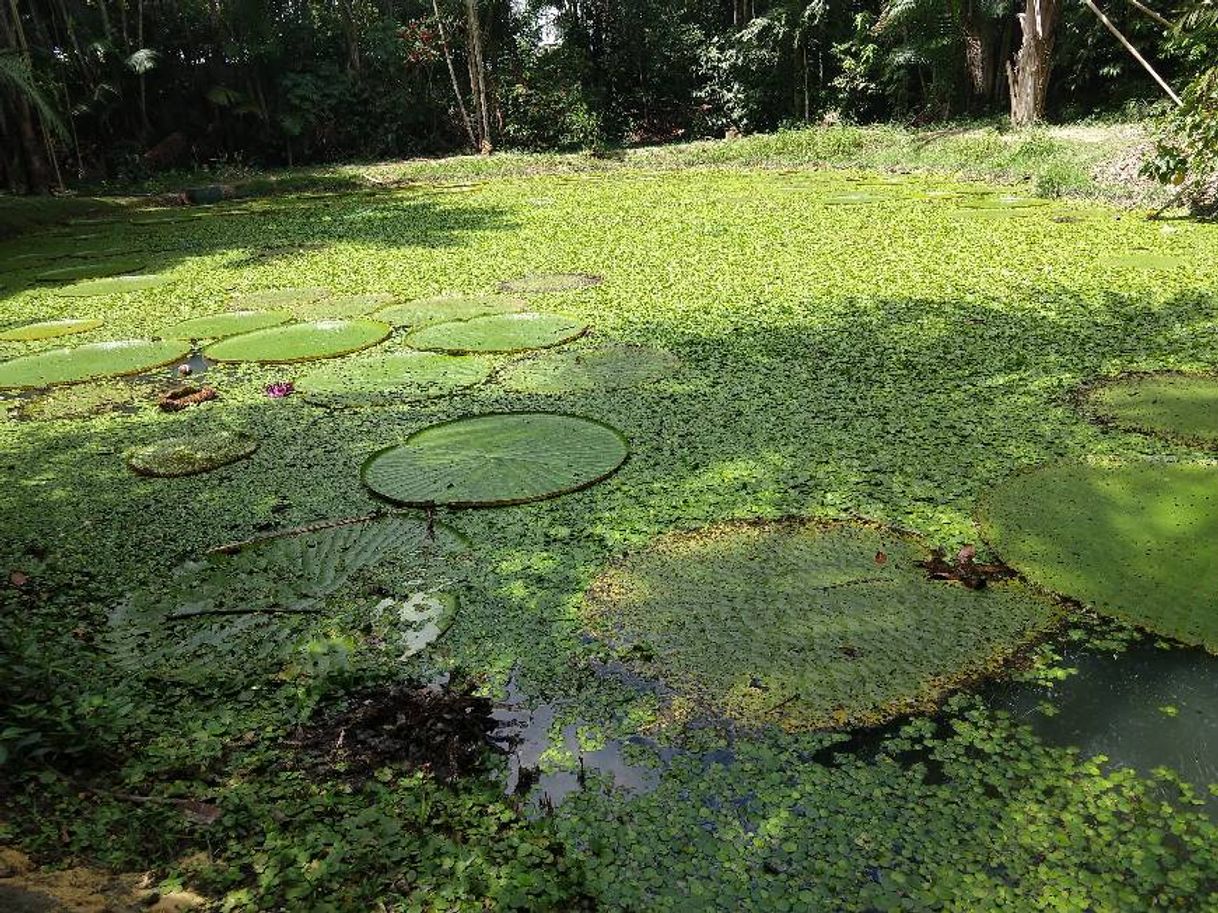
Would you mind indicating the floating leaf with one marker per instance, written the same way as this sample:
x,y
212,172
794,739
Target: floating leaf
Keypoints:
x,y
91,270
606,368
49,329
117,285
279,298
389,379
343,306
1144,260
189,455
446,308
98,359
545,283
230,323
499,333
300,341
496,459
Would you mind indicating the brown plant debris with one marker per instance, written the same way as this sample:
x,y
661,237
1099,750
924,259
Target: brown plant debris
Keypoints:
x,y
964,569
185,397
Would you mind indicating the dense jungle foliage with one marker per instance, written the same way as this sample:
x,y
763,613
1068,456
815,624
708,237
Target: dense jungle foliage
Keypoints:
x,y
113,89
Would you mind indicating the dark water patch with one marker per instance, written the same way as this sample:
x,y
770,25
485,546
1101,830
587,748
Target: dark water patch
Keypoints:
x,y
1145,708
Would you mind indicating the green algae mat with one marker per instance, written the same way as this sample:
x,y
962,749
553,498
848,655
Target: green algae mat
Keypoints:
x,y
446,308
498,333
391,379
492,460
49,329
97,359
1133,540
806,626
300,341
188,455
1177,406
230,323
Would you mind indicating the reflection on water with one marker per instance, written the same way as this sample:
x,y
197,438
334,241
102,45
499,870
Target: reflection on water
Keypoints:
x,y
1147,707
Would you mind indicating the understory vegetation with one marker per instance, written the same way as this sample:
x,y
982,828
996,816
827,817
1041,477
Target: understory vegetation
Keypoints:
x,y
463,543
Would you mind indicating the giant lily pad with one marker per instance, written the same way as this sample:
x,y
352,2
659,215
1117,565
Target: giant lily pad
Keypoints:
x,y
116,285
1144,260
344,306
496,459
1134,540
231,323
83,401
1172,405
498,333
98,359
389,379
300,341
246,606
1001,201
446,308
279,298
544,283
91,270
188,455
806,625
49,329
607,368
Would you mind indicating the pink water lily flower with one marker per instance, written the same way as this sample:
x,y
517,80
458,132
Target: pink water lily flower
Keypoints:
x,y
280,389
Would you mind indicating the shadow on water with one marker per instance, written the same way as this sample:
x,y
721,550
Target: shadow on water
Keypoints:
x,y
1144,708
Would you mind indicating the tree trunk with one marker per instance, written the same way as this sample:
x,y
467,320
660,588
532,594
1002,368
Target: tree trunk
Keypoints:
x,y
980,49
1029,72
452,72
477,78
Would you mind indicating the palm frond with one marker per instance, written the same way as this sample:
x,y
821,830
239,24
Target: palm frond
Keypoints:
x,y
16,74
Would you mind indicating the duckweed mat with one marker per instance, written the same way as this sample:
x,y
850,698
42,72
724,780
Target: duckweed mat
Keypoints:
x,y
451,307
498,333
49,329
97,359
230,323
188,455
1134,540
1177,406
491,460
390,379
300,341
605,368
806,626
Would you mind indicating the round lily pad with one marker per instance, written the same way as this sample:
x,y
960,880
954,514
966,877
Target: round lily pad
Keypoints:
x,y
82,401
1176,406
343,306
1134,540
300,341
606,368
857,198
806,625
545,283
390,379
279,298
98,359
231,323
498,459
446,308
92,270
1002,201
498,333
49,329
189,455
1144,260
115,285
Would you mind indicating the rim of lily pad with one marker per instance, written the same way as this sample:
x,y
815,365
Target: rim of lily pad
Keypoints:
x,y
388,379
546,283
277,297
805,623
310,341
226,323
116,358
1170,425
50,329
114,285
190,454
1148,563
433,467
448,308
497,334
102,269
608,367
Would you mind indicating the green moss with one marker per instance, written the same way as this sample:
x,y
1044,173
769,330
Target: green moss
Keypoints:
x,y
211,326
491,460
1177,406
49,329
498,333
97,359
449,307
188,455
1134,540
390,379
300,341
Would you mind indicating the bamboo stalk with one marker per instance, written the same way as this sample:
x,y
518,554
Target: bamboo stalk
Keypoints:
x,y
1133,51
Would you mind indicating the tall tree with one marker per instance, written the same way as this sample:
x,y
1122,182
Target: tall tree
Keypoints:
x,y
1029,72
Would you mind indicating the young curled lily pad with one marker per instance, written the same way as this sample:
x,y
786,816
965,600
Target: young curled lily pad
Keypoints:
x,y
389,379
450,307
545,283
498,333
497,459
230,323
188,455
49,329
98,359
606,368
806,625
1134,540
1176,406
300,341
